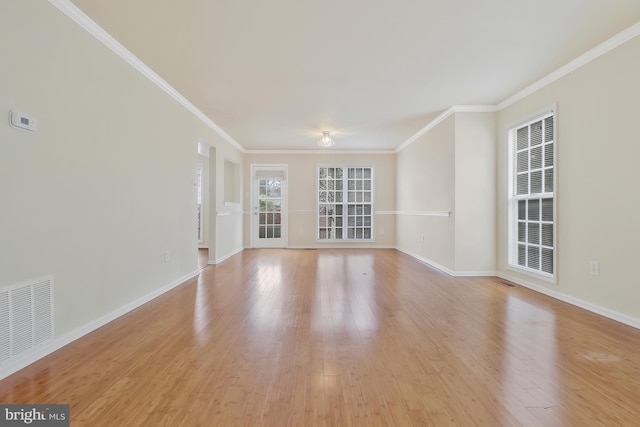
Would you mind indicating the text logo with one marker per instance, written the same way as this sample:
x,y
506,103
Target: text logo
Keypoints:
x,y
34,415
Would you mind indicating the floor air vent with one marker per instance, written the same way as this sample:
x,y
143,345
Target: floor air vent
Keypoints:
x,y
26,317
506,284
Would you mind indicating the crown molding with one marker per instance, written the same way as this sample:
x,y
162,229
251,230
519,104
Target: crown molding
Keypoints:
x,y
80,18
474,108
603,48
433,123
443,116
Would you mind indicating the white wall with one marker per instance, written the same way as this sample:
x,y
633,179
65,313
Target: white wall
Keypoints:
x,y
302,194
225,219
426,184
106,185
597,183
475,193
450,169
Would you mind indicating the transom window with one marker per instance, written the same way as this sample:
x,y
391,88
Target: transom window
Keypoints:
x,y
345,203
532,196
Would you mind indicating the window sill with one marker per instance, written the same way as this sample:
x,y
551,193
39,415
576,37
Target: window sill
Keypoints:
x,y
534,274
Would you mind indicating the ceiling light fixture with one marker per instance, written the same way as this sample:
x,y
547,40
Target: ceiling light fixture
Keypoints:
x,y
326,140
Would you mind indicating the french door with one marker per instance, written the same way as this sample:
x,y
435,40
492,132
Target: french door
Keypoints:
x,y
269,210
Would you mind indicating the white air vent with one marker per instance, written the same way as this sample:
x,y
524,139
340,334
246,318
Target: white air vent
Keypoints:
x,y
26,317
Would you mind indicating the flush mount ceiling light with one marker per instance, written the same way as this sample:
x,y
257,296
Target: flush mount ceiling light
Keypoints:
x,y
326,140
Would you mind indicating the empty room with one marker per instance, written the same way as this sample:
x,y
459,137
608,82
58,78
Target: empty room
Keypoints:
x,y
290,213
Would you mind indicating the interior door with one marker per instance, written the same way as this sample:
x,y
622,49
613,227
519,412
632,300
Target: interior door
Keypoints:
x,y
269,228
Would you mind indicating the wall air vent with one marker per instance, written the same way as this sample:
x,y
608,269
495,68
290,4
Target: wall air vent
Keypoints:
x,y
26,318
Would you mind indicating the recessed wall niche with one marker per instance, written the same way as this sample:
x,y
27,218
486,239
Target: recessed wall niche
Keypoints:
x,y
231,183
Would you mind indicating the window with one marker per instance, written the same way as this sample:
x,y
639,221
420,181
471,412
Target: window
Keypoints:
x,y
270,208
532,197
345,203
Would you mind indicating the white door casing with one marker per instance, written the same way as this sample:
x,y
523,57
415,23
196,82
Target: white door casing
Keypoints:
x,y
269,206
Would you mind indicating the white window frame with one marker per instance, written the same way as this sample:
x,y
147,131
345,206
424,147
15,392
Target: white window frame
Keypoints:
x,y
513,261
345,205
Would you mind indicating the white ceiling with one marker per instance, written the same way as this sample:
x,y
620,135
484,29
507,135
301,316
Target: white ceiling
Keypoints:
x,y
274,74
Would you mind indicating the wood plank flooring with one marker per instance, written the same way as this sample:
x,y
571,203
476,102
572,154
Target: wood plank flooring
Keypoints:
x,y
343,338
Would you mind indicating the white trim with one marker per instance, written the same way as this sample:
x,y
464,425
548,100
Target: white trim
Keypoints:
x,y
546,277
433,123
594,308
425,213
232,203
385,212
446,270
254,167
203,148
225,257
428,262
531,117
443,116
603,48
345,202
511,235
69,337
475,108
80,18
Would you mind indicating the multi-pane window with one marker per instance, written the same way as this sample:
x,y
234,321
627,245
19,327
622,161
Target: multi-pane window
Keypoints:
x,y
532,195
345,203
270,208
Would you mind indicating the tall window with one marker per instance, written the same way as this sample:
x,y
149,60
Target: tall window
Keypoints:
x,y
345,203
532,197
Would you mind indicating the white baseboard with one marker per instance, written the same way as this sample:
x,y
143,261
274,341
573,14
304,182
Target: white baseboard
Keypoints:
x,y
227,256
429,262
594,308
445,269
59,342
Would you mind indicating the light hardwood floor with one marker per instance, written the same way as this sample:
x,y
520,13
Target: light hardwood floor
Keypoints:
x,y
203,258
338,338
